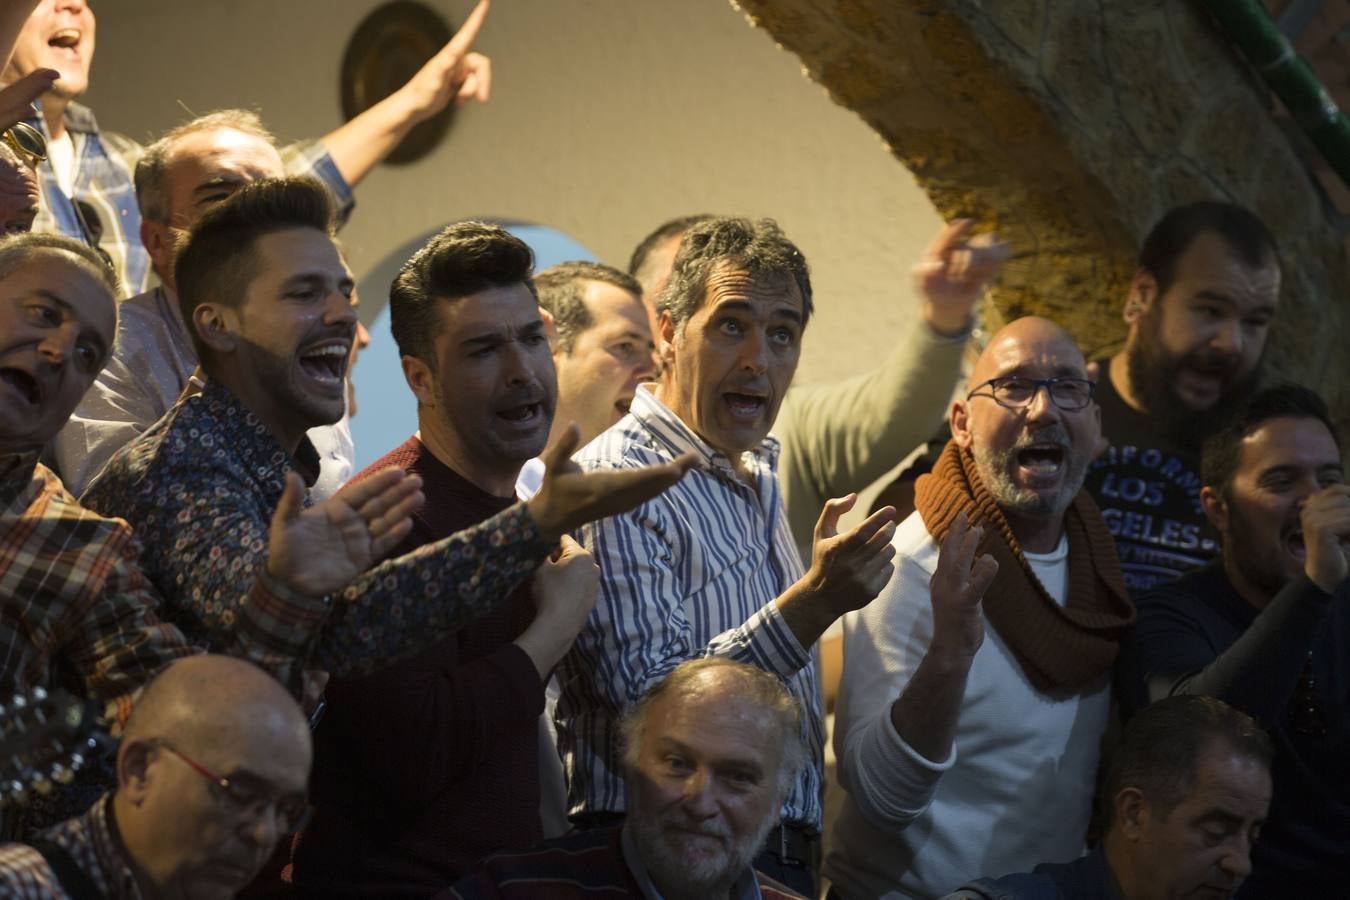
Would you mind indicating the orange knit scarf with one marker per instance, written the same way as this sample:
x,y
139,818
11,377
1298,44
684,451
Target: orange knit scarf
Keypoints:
x,y
1060,648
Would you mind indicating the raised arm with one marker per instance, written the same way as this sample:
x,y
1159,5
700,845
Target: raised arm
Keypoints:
x,y
838,438
922,635
1259,672
454,73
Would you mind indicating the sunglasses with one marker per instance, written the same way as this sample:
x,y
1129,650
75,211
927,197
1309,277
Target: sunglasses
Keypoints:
x,y
27,142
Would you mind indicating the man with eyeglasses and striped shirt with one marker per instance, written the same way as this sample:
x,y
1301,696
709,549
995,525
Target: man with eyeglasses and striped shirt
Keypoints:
x,y
976,687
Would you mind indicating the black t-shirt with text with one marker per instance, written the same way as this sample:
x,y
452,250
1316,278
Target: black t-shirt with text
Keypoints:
x,y
1148,489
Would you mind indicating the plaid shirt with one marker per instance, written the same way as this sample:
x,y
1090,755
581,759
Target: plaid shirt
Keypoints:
x,y
25,875
200,487
75,606
105,163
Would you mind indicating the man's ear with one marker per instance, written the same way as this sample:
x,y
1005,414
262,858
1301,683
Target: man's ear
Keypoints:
x,y
159,243
134,769
1143,294
421,380
665,339
959,420
1131,812
1215,507
217,326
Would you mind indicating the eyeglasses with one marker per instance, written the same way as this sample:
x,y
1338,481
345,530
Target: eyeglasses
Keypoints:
x,y
26,141
239,801
1016,392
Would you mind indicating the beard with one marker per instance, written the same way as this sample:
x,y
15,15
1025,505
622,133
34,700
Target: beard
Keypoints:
x,y
679,873
996,468
1152,371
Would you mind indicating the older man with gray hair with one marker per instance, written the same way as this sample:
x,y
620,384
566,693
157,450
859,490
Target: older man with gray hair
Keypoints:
x,y
711,752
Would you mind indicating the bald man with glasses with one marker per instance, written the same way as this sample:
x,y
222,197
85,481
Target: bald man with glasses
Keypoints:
x,y
996,635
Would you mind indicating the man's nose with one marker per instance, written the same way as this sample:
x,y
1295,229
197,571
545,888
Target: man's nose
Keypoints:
x,y
57,345
697,798
755,352
1041,406
1237,862
1228,338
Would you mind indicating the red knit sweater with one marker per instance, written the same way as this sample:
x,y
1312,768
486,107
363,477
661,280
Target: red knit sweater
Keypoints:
x,y
426,767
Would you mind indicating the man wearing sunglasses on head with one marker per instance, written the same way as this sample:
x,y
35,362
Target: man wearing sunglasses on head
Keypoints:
x,y
87,176
1266,628
210,772
983,667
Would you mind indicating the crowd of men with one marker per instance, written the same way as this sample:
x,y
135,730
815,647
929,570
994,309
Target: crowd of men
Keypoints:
x,y
564,639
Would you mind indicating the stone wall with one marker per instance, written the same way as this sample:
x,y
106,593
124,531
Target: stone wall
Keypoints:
x,y
1070,127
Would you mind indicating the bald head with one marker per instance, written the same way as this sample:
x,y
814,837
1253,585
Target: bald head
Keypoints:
x,y
207,699
1031,426
212,769
1030,337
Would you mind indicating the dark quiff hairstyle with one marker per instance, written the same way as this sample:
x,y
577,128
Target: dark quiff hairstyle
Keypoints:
x,y
462,259
668,229
562,289
1222,450
759,249
1247,238
219,259
1161,748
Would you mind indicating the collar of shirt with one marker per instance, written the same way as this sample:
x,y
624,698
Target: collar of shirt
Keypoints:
x,y
78,118
670,433
745,888
16,475
93,842
236,426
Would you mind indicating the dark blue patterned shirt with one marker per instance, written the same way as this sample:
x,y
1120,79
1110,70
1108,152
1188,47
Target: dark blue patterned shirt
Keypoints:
x,y
200,487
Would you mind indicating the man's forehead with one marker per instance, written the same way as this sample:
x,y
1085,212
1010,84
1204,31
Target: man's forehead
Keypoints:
x,y
1210,260
1038,353
224,150
728,283
1296,441
293,252
67,279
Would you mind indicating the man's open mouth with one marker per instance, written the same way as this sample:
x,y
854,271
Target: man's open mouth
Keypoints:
x,y
1041,459
746,407
327,363
24,384
65,39
523,415
1293,544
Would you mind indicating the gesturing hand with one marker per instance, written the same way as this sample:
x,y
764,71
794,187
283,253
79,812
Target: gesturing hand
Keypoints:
x,y
1325,519
569,498
953,273
957,589
453,72
16,100
849,570
319,550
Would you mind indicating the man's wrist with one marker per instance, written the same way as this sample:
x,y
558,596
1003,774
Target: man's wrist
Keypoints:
x,y
947,328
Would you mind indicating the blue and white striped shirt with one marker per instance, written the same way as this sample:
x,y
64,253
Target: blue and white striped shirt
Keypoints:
x,y
691,573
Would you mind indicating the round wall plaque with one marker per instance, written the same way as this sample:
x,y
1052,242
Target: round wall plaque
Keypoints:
x,y
387,49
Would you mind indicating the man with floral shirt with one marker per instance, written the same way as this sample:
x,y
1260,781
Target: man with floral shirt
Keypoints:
x,y
268,298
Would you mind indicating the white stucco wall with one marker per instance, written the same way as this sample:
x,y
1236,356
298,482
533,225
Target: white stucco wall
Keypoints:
x,y
607,117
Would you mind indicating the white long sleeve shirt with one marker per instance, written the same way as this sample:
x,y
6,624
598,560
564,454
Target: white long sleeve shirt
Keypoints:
x,y
1016,787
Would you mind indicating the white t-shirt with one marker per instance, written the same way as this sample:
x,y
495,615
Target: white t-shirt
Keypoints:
x,y
61,155
1016,789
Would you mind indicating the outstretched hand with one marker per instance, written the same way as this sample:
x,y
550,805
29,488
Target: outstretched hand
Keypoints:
x,y
569,497
954,272
957,590
319,550
849,570
454,72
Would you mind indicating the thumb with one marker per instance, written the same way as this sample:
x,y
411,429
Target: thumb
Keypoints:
x,y
560,452
292,500
828,526
568,547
